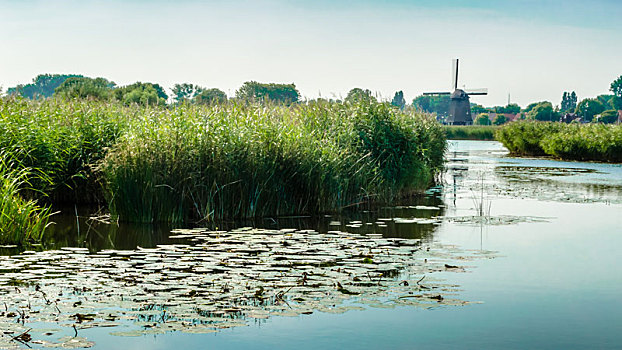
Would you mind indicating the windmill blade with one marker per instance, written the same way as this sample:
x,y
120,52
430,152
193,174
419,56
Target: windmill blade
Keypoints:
x,y
476,91
436,93
454,74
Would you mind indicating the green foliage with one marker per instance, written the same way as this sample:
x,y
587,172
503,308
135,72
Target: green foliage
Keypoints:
x,y
21,221
523,137
359,95
500,119
242,160
433,104
569,102
608,117
42,85
616,87
615,102
478,109
543,111
588,108
252,91
398,100
598,142
482,119
145,94
211,96
512,108
85,88
185,92
470,132
61,140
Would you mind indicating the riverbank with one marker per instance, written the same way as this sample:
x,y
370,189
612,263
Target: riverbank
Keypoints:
x,y
584,142
470,132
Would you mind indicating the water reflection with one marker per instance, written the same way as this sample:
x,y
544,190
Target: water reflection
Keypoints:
x,y
77,227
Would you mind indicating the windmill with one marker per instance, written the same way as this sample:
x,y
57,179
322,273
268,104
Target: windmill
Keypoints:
x,y
459,105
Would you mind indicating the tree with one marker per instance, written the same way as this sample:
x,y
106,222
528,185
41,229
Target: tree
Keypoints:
x,y
478,109
84,87
615,102
482,119
569,102
500,119
511,108
185,92
211,96
543,111
398,100
531,106
253,91
616,87
608,117
358,94
588,108
42,86
141,93
433,104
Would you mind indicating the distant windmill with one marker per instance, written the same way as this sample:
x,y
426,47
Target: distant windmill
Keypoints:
x,y
459,105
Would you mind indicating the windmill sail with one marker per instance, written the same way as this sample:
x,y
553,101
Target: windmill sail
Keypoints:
x,y
476,91
454,74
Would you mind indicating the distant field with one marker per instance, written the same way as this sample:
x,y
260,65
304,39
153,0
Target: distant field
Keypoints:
x,y
470,132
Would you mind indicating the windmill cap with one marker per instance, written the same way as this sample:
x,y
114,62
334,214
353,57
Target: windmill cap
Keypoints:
x,y
459,94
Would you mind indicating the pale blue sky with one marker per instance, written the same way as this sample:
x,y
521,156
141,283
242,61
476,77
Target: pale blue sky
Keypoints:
x,y
534,50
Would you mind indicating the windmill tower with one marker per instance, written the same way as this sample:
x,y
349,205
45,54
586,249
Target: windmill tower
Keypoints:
x,y
459,105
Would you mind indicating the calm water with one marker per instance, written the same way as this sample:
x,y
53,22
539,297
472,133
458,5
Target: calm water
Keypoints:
x,y
557,284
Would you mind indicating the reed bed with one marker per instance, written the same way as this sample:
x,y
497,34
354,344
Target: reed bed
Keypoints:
x,y
240,161
470,132
586,142
21,221
61,140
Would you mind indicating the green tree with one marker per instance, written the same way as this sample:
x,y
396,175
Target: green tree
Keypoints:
x,y
616,87
84,87
398,100
543,111
588,108
608,117
185,92
569,102
211,96
482,119
511,108
42,86
142,94
478,109
253,91
433,104
531,106
616,102
500,119
358,94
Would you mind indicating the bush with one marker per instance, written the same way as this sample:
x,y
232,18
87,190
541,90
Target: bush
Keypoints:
x,y
470,132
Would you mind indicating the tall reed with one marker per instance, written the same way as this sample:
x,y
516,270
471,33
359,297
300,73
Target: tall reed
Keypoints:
x,y
592,142
237,160
21,221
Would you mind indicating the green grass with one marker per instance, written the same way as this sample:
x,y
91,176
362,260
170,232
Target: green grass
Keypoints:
x,y
239,161
21,221
470,132
591,142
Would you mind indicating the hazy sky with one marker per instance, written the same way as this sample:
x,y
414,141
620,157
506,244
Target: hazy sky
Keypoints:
x,y
533,50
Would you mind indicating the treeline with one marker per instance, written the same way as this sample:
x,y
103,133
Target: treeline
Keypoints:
x,y
70,86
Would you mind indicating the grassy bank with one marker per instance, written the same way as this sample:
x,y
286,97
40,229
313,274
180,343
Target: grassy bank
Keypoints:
x,y
470,132
590,142
21,221
200,163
